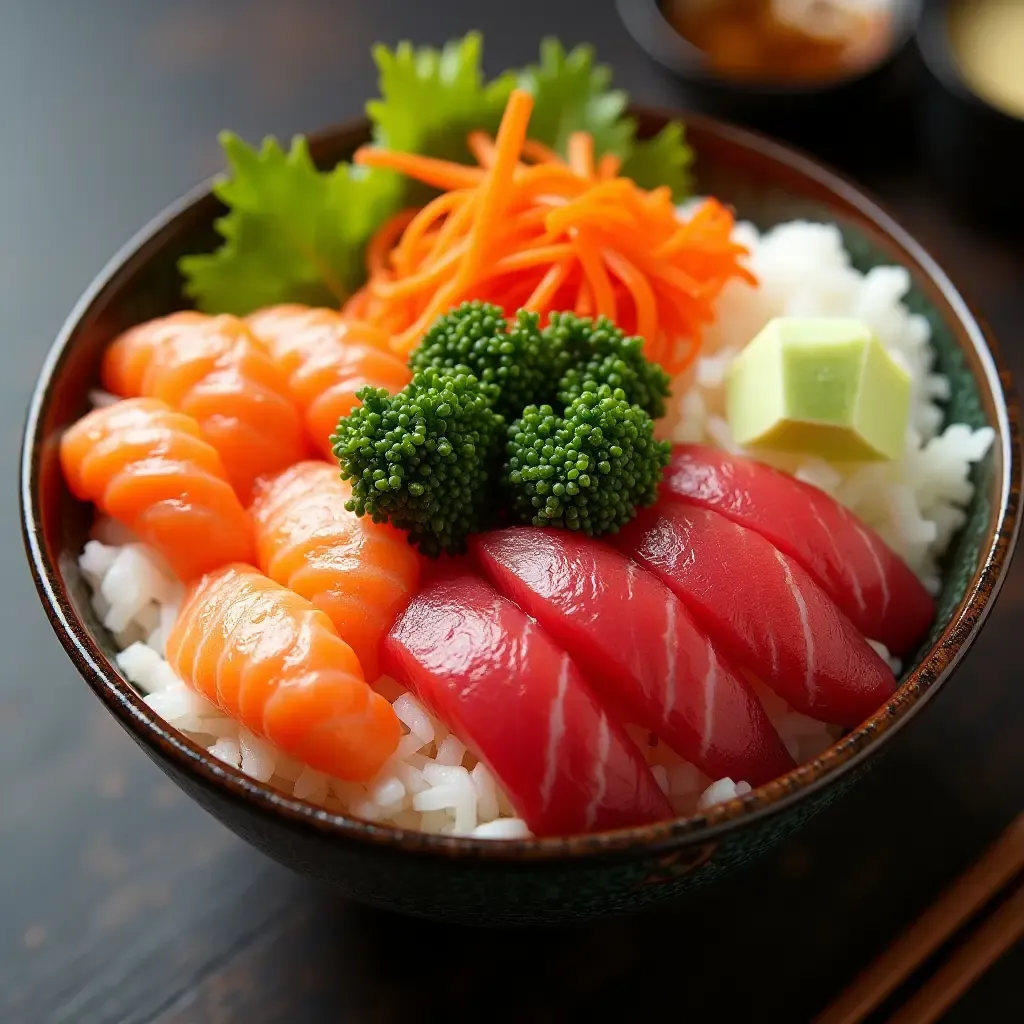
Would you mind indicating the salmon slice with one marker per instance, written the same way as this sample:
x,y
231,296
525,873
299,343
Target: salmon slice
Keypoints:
x,y
326,359
274,663
213,369
638,646
763,611
853,565
361,573
519,702
147,466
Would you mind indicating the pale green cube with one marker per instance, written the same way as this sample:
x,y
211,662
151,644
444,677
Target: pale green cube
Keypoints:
x,y
821,386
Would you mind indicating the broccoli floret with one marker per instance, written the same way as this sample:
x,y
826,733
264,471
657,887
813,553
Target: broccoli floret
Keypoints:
x,y
599,351
422,459
521,365
588,470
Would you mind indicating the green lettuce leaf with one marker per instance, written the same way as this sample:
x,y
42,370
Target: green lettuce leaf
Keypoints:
x,y
292,233
664,159
573,94
430,100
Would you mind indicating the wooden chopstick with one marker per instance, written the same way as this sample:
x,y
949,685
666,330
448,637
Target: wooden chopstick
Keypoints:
x,y
987,945
959,903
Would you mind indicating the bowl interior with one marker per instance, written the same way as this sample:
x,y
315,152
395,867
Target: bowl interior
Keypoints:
x,y
767,184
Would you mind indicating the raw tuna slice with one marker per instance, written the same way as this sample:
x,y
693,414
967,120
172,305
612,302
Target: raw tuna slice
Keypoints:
x,y
638,646
763,610
879,593
520,704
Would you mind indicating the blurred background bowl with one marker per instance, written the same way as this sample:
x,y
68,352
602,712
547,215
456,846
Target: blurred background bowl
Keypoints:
x,y
857,118
973,145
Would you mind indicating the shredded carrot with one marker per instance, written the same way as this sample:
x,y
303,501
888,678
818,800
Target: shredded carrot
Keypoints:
x,y
439,173
454,226
532,258
384,240
596,272
564,218
539,300
358,303
581,154
494,191
481,145
608,166
539,153
417,230
585,300
526,228
640,290
421,280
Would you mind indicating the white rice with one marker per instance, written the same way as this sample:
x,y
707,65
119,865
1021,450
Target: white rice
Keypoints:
x,y
916,503
433,783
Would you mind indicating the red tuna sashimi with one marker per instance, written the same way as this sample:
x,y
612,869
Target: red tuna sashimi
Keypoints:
x,y
763,610
520,704
875,588
638,646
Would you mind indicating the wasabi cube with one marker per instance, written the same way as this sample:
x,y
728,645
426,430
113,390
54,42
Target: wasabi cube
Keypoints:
x,y
819,386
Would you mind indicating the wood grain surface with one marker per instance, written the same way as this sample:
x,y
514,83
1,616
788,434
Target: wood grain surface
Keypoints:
x,y
120,901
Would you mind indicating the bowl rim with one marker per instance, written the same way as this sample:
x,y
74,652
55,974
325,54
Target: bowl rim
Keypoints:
x,y
773,799
654,33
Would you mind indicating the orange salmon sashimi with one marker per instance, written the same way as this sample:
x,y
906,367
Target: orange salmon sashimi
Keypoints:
x,y
326,359
215,370
361,573
148,467
270,660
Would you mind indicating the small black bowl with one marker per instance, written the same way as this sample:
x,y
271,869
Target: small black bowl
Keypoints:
x,y
973,150
856,120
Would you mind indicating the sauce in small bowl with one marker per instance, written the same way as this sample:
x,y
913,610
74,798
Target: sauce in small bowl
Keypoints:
x,y
833,76
786,41
987,38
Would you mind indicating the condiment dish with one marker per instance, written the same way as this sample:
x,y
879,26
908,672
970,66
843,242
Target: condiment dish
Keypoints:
x,y
857,117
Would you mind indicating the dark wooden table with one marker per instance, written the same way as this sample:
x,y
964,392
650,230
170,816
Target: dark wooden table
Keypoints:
x,y
120,901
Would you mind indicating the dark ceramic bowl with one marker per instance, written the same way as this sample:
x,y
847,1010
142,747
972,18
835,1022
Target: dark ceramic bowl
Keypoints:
x,y
974,150
552,879
859,117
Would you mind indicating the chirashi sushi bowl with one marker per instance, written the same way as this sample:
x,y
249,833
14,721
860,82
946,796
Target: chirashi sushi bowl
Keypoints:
x,y
485,551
